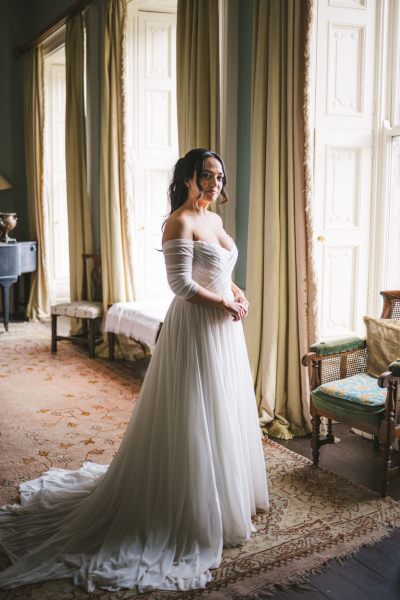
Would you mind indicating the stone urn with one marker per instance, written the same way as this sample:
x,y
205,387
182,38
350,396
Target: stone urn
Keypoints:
x,y
7,223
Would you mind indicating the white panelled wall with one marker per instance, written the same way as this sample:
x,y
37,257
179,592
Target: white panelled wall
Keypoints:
x,y
152,135
343,161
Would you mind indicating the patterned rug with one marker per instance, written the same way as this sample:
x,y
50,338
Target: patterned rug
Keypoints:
x,y
59,410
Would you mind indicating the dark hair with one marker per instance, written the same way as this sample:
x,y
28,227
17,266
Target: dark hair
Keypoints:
x,y
190,164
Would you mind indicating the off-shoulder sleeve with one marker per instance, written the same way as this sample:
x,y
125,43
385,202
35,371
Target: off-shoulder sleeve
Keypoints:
x,y
178,256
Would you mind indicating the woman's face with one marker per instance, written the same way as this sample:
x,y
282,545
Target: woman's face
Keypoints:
x,y
211,180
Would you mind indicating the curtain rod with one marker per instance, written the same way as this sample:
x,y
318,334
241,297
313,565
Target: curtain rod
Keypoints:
x,y
48,30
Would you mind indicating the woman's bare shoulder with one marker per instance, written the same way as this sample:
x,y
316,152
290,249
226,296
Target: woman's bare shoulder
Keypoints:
x,y
178,226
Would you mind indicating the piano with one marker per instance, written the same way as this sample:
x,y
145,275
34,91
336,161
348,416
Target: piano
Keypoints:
x,y
15,259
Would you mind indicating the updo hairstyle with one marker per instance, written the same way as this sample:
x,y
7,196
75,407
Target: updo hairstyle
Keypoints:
x,y
190,164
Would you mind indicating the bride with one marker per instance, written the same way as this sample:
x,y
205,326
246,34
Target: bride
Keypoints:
x,y
190,471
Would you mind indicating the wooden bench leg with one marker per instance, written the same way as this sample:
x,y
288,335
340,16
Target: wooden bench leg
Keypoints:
x,y
111,345
54,333
84,328
159,330
92,333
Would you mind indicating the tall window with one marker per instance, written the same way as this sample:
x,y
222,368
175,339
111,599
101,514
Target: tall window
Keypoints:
x,y
152,135
385,241
391,153
55,188
392,275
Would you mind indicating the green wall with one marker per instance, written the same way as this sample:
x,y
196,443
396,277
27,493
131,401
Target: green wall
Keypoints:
x,y
15,26
20,20
45,11
243,135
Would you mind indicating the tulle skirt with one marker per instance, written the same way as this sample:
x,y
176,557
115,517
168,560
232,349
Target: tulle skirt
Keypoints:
x,y
186,480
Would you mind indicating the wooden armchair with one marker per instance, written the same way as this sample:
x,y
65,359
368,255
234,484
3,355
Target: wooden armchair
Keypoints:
x,y
338,374
89,309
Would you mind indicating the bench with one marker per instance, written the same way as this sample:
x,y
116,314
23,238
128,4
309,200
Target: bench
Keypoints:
x,y
140,321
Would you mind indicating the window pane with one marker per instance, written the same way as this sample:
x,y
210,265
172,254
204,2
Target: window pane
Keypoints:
x,y
398,101
397,78
396,63
55,186
393,264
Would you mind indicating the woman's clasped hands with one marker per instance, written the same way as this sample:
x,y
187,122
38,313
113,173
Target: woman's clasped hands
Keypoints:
x,y
238,308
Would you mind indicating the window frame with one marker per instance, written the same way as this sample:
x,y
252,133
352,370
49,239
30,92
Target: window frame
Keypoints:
x,y
387,112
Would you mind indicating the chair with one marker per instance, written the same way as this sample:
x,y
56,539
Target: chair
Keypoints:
x,y
89,309
341,390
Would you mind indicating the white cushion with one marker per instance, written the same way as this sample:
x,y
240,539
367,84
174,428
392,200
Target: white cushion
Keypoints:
x,y
140,321
81,310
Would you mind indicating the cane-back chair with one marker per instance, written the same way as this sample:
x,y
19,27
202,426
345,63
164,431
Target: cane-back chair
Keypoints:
x,y
89,309
341,390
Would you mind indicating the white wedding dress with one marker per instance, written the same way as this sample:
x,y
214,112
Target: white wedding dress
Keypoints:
x,y
189,473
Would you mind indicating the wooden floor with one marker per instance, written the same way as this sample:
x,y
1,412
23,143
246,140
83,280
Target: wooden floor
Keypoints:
x,y
374,572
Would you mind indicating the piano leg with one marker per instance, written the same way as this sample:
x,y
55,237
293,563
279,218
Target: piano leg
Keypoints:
x,y
20,284
5,284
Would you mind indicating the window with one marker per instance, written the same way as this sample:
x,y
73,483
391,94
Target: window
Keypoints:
x,y
152,138
55,187
386,247
393,241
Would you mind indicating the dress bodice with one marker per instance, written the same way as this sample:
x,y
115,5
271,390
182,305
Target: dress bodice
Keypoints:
x,y
213,266
193,263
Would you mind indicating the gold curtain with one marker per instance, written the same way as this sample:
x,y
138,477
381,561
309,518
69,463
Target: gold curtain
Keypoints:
x,y
280,282
79,213
197,72
115,211
39,297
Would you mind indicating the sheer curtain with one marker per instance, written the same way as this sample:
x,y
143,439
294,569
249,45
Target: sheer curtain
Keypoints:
x,y
79,214
280,281
39,298
197,72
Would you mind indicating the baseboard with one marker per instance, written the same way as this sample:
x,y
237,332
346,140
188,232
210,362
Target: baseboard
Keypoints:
x,y
363,434
369,436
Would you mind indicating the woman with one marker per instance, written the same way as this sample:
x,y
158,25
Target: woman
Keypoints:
x,y
190,472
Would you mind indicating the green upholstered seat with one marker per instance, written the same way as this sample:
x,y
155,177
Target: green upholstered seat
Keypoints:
x,y
338,345
355,398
